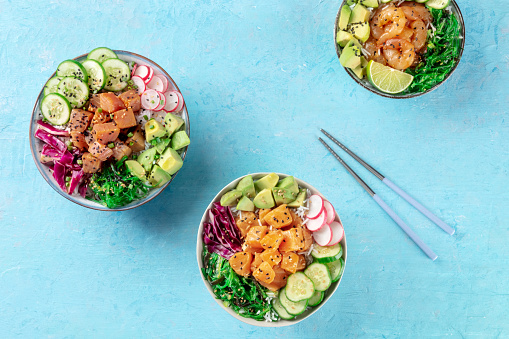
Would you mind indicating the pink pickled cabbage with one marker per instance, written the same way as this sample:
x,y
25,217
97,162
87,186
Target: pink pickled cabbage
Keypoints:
x,y
221,234
51,140
51,129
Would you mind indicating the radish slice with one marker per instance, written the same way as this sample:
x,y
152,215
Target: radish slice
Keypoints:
x,y
172,101
316,224
315,206
337,233
138,82
156,84
150,99
150,75
134,70
181,102
165,82
162,102
142,71
331,212
323,236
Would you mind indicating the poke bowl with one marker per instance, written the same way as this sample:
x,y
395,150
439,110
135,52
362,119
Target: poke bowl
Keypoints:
x,y
271,249
399,49
109,130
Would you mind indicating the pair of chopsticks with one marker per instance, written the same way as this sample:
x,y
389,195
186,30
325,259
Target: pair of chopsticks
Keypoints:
x,y
428,251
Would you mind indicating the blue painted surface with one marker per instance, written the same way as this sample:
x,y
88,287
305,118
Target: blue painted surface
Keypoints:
x,y
259,79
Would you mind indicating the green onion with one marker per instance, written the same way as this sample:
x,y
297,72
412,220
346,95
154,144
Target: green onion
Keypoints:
x,y
79,162
67,179
111,145
99,110
145,117
130,134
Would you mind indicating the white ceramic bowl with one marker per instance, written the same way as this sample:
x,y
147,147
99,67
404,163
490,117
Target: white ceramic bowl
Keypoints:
x,y
199,251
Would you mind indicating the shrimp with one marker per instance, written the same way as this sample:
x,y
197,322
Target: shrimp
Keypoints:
x,y
420,34
373,50
388,23
406,34
400,53
415,11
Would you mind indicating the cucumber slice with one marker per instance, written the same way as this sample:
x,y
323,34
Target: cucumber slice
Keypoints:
x,y
316,298
325,254
56,109
71,68
101,54
438,4
96,75
293,308
74,90
118,74
299,287
283,313
319,275
336,269
52,85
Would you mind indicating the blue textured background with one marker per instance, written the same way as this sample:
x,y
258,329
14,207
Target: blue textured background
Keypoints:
x,y
260,78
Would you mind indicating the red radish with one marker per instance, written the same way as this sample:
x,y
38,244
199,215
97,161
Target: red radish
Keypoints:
x,y
323,236
337,233
165,82
172,101
142,71
150,99
156,84
162,102
315,206
181,102
150,75
331,213
134,70
316,224
138,82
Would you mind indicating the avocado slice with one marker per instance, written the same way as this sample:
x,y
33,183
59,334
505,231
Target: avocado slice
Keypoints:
x,y
146,159
172,123
268,181
136,169
158,177
343,37
264,199
245,204
283,195
246,185
360,70
360,31
162,144
369,3
359,14
230,198
344,17
350,56
299,201
153,129
290,183
179,140
170,161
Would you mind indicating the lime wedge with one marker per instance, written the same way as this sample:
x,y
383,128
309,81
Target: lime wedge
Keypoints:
x,y
387,79
438,4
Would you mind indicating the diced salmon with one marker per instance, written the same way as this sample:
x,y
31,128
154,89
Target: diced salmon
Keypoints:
x,y
80,119
100,117
302,263
241,263
264,273
272,240
131,99
89,137
110,103
248,219
78,140
291,240
290,261
279,281
125,118
254,235
296,220
263,212
121,150
106,133
137,141
100,151
279,217
307,238
248,248
272,256
90,163
257,260
93,103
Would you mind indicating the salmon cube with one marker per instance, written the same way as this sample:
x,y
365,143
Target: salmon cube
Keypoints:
x,y
248,248
110,103
100,151
263,212
106,133
78,140
290,262
307,238
121,150
125,118
296,220
89,137
291,240
257,260
100,117
131,99
272,240
240,262
301,265
264,273
93,103
90,163
279,217
279,281
255,235
137,141
273,257
248,219
80,119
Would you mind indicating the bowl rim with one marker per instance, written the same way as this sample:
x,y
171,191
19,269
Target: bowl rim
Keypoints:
x,y
199,250
69,197
459,16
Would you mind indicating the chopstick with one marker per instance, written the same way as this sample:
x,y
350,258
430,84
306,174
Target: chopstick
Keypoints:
x,y
428,251
439,222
